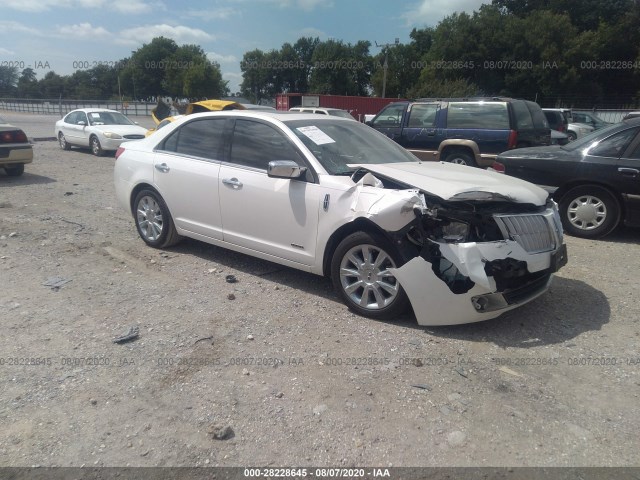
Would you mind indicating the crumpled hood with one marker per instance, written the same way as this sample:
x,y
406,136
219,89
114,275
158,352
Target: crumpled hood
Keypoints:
x,y
458,182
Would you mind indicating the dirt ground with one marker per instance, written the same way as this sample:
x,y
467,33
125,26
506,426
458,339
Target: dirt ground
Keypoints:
x,y
280,372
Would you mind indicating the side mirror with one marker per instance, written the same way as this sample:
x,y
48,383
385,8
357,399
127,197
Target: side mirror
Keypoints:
x,y
285,169
82,123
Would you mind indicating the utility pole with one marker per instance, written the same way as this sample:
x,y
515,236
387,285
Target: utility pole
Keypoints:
x,y
385,49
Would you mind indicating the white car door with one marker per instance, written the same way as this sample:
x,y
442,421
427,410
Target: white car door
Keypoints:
x,y
186,167
70,128
271,215
83,130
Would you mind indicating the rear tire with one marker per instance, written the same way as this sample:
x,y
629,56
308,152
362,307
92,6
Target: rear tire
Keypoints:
x,y
63,142
461,158
572,136
589,211
359,271
153,220
14,170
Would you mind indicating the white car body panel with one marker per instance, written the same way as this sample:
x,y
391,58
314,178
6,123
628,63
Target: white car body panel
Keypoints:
x,y
441,307
190,187
278,216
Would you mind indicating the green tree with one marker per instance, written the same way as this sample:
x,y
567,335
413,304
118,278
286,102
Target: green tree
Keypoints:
x,y
8,80
304,48
341,69
52,85
191,74
255,80
28,84
144,74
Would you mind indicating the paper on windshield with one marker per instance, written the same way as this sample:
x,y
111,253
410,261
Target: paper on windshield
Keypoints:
x,y
95,115
316,135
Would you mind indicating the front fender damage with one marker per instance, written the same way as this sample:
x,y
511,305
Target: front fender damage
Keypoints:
x,y
445,285
450,280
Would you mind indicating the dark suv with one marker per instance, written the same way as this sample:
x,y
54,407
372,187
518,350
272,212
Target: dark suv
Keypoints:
x,y
465,131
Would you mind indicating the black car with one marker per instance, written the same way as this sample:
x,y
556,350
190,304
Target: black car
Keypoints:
x,y
464,131
595,179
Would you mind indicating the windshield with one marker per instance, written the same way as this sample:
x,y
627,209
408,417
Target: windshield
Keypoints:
x,y
108,118
594,136
336,143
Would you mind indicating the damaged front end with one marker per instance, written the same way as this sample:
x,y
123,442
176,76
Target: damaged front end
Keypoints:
x,y
476,255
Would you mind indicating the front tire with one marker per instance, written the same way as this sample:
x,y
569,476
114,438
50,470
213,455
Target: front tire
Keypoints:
x,y
153,220
14,170
460,158
96,148
572,136
360,273
589,211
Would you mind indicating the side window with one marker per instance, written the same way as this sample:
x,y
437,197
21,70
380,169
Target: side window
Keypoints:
x,y
423,115
391,116
200,138
636,152
486,116
256,144
81,117
615,145
523,115
539,119
71,118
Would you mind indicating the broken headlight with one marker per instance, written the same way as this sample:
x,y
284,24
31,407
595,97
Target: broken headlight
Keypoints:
x,y
455,232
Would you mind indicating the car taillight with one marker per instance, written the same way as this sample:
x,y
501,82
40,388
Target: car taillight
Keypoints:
x,y
119,152
14,136
562,128
497,167
513,139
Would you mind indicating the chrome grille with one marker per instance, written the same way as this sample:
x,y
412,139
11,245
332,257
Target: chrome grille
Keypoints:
x,y
535,233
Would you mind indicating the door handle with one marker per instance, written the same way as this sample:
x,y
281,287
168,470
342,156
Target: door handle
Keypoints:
x,y
232,182
162,167
629,172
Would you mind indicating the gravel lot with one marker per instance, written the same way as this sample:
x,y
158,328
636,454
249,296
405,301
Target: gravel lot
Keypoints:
x,y
280,372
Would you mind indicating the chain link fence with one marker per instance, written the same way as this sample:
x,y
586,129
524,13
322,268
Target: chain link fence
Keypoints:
x,y
61,107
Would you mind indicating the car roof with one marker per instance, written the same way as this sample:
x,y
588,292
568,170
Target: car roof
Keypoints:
x,y
87,110
295,109
281,115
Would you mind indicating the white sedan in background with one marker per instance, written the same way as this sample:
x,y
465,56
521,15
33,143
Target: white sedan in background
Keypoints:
x,y
334,197
97,128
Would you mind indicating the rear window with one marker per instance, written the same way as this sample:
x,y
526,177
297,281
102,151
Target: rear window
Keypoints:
x,y
539,120
482,115
523,115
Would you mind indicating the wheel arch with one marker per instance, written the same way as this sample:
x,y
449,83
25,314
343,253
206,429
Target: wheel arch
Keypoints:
x,y
360,224
466,146
136,190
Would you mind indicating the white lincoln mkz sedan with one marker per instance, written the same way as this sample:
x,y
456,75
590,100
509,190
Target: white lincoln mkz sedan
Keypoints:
x,y
334,197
